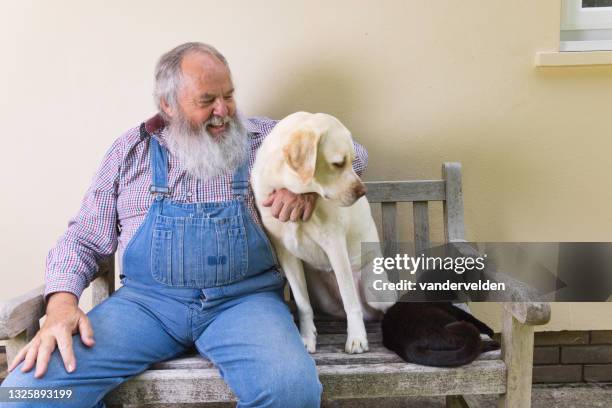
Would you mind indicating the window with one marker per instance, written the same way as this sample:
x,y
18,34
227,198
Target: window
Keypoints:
x,y
586,25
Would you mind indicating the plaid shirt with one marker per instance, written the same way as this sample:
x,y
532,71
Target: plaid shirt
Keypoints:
x,y
118,200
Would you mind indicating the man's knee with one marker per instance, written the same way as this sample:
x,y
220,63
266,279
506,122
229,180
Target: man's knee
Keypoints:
x,y
82,393
290,384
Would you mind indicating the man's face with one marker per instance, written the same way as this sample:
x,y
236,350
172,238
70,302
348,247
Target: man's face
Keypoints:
x,y
206,94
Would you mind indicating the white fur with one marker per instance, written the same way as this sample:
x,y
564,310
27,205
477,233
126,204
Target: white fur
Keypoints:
x,y
331,239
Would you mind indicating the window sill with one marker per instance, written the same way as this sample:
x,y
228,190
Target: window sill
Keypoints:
x,y
572,59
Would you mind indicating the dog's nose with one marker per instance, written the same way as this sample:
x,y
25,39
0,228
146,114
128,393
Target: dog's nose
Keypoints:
x,y
360,190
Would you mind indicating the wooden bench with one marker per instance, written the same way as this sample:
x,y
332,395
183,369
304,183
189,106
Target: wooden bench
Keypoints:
x,y
376,375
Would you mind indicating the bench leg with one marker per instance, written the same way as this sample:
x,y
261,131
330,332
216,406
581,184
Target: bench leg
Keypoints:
x,y
517,353
456,401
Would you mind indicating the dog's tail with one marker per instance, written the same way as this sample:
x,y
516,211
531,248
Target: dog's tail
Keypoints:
x,y
447,354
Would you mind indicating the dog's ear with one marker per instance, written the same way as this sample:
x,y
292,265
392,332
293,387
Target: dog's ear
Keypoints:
x,y
301,153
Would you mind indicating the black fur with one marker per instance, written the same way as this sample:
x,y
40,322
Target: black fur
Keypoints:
x,y
434,334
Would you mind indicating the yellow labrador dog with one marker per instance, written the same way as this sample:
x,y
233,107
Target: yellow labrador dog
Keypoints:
x,y
313,153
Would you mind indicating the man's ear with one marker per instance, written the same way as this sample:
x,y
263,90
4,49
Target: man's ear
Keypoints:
x,y
301,153
166,108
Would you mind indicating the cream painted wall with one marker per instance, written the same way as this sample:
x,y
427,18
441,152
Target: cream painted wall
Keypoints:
x,y
418,82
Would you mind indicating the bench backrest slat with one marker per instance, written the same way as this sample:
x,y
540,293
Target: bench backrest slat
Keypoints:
x,y
420,192
420,216
399,191
389,225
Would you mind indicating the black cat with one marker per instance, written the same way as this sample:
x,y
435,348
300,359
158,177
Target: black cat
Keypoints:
x,y
434,333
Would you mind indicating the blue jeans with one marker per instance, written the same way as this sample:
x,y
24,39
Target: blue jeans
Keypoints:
x,y
251,338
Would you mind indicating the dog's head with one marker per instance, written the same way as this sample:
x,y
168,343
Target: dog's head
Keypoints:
x,y
319,154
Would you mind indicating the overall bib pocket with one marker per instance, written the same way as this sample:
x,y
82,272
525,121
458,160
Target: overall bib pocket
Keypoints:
x,y
198,252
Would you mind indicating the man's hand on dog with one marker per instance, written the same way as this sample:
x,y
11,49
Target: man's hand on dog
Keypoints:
x,y
289,206
64,318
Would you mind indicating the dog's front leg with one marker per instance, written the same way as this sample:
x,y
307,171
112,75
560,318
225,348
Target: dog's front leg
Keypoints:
x,y
357,340
294,271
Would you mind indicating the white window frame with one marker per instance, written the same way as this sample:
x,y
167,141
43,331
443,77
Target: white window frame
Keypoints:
x,y
584,23
574,17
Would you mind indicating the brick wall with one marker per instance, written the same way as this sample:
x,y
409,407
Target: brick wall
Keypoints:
x,y
573,357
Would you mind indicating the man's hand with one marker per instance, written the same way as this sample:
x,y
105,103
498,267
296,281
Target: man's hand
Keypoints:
x,y
289,206
64,318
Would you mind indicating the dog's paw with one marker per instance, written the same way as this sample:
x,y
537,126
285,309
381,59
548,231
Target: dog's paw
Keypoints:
x,y
309,336
356,345
310,343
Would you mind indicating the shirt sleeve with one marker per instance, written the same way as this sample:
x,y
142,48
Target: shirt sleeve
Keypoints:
x,y
91,234
360,163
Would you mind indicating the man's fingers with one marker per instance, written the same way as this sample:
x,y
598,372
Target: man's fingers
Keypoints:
x,y
277,207
64,344
87,335
285,213
297,212
19,357
30,358
44,355
308,209
269,200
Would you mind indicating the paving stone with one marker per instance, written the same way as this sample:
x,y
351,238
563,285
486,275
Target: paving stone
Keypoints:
x,y
601,337
561,337
546,355
592,354
557,373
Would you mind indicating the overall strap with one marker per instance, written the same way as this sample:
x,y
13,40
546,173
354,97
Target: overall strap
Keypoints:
x,y
159,168
240,180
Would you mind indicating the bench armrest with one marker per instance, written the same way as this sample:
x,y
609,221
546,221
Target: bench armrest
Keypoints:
x,y
521,306
21,313
529,313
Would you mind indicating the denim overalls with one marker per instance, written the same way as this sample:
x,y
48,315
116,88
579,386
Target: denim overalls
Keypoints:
x,y
214,247
197,274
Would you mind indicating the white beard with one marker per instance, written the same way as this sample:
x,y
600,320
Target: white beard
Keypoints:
x,y
201,155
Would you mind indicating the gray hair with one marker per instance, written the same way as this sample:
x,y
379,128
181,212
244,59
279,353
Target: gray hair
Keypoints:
x,y
168,71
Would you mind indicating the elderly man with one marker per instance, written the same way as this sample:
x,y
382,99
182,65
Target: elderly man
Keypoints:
x,y
197,267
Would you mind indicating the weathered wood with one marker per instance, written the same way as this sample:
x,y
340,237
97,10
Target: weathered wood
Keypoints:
x,y
172,386
340,338
524,310
456,401
453,204
325,355
339,382
529,313
389,227
339,327
400,191
104,284
14,344
18,314
420,215
517,353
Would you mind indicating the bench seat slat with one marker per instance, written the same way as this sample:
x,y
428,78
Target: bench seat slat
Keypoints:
x,y
340,381
331,354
